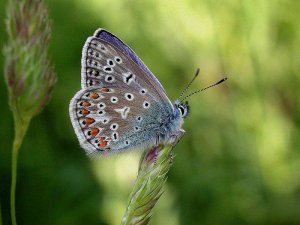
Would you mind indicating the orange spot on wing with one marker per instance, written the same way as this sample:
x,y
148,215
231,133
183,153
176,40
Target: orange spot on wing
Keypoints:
x,y
85,112
94,132
89,121
86,104
94,95
105,90
103,144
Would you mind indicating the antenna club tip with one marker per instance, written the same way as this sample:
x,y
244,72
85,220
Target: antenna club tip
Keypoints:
x,y
197,72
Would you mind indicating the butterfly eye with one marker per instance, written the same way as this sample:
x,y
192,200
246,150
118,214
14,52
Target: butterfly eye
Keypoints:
x,y
183,110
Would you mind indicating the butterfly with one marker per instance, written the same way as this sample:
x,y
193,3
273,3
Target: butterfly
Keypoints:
x,y
121,105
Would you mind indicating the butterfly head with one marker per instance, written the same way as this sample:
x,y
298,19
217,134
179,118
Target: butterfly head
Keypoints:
x,y
182,108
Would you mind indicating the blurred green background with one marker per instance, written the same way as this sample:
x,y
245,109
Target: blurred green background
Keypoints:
x,y
239,162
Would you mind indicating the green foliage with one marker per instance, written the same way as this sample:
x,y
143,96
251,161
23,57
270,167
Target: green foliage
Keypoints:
x,y
239,160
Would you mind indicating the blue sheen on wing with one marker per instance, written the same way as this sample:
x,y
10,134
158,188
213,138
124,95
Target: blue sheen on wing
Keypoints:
x,y
112,39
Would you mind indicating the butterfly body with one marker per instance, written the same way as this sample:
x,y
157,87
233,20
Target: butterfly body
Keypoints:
x,y
121,105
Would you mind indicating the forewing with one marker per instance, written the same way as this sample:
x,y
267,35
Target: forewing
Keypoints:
x,y
121,46
100,55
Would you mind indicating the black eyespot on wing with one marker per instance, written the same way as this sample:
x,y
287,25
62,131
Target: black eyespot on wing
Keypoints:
x,y
110,62
107,69
129,77
118,59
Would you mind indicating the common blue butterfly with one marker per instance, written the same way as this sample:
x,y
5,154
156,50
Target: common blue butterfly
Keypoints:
x,y
121,105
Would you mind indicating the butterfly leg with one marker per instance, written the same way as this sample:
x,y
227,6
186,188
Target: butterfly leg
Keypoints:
x,y
175,138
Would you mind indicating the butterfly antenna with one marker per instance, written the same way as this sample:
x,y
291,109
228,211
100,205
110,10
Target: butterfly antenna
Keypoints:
x,y
189,84
195,92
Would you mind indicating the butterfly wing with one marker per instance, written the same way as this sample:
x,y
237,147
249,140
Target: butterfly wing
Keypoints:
x,y
96,45
120,98
119,44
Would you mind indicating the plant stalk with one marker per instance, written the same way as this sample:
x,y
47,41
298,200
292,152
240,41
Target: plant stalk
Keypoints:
x,y
21,126
0,213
